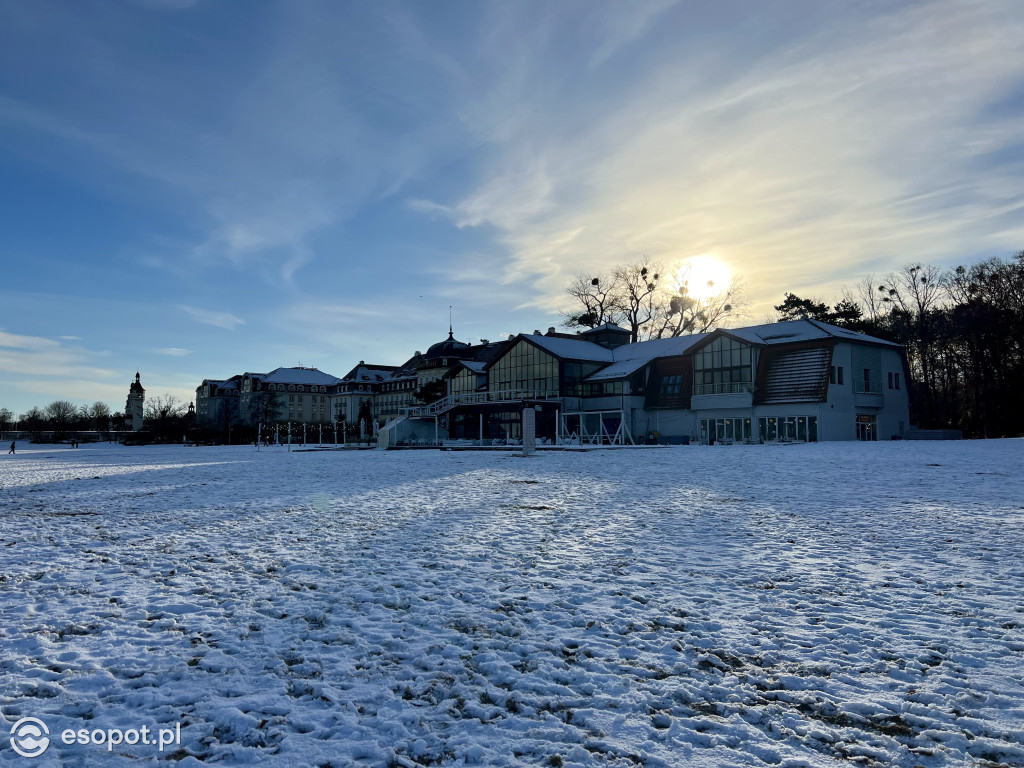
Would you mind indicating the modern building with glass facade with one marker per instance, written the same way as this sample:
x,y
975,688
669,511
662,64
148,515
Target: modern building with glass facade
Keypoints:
x,y
796,381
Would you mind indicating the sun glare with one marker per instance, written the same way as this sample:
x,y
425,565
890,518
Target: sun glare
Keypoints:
x,y
705,276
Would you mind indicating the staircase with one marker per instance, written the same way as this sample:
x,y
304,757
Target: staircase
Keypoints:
x,y
446,404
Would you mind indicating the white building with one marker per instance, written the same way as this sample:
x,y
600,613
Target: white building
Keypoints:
x,y
801,380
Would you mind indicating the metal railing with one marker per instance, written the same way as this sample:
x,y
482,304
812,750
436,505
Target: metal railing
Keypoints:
x,y
867,387
475,398
729,388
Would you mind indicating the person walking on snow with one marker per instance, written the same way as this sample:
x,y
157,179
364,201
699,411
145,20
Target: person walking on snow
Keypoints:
x,y
12,449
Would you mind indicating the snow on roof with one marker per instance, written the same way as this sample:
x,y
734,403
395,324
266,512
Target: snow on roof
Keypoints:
x,y
846,333
300,376
632,357
474,365
571,349
605,327
803,329
364,372
618,369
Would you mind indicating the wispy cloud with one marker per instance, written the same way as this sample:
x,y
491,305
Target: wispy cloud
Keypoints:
x,y
34,343
174,351
224,320
844,141
22,355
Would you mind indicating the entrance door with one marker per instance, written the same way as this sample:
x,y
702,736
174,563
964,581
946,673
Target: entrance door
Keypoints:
x,y
867,428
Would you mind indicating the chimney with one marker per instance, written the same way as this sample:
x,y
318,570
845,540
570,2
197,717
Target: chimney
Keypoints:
x,y
551,331
536,332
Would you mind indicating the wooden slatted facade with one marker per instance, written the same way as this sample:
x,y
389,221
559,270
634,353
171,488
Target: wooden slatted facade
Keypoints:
x,y
793,374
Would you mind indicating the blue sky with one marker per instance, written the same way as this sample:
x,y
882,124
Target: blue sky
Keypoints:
x,y
197,189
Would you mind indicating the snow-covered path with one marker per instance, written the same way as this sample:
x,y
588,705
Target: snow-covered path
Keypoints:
x,y
810,605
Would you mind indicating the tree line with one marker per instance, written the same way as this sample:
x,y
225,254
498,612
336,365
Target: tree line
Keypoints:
x,y
60,417
163,416
963,328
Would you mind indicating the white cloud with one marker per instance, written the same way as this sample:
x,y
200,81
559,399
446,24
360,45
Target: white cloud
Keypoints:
x,y
224,320
15,341
38,356
174,351
854,145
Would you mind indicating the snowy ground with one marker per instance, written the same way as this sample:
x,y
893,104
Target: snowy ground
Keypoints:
x,y
812,605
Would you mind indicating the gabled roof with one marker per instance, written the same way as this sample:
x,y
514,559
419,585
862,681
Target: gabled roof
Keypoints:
x,y
369,372
605,327
300,376
475,366
804,329
630,358
570,349
846,333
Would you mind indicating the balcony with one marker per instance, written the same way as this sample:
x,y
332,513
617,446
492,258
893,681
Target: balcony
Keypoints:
x,y
731,388
734,394
867,394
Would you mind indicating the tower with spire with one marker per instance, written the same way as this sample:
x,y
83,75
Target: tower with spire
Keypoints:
x,y
133,408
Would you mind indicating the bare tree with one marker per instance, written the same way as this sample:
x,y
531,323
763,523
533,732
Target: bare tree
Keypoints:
x,y
159,408
595,301
869,297
62,415
680,313
914,295
638,295
99,415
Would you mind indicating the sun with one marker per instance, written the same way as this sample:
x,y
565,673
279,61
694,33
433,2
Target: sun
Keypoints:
x,y
705,276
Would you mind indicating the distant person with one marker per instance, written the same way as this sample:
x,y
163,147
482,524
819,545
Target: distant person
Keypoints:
x,y
12,448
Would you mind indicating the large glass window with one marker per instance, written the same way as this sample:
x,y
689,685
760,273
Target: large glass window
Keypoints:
x,y
464,381
722,366
801,429
596,389
524,368
725,430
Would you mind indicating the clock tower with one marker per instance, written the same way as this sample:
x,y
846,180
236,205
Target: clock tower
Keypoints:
x,y
133,409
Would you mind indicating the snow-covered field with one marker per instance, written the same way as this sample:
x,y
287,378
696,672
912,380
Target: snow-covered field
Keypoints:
x,y
811,605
